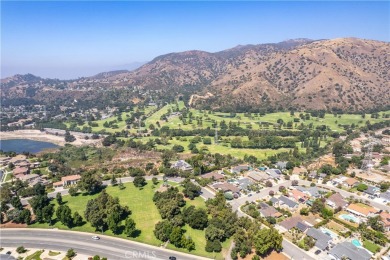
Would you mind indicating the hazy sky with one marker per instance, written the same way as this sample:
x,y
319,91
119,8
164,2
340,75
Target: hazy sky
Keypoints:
x,y
72,39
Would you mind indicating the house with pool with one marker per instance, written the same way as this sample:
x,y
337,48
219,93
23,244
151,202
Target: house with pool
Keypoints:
x,y
358,212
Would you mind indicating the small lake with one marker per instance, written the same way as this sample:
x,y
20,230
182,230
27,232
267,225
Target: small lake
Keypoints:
x,y
25,145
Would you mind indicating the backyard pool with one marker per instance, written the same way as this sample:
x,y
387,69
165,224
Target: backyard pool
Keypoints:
x,y
328,232
356,243
349,217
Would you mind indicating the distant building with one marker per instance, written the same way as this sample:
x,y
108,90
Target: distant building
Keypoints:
x,y
29,178
224,186
336,200
182,165
216,176
362,211
258,176
240,168
21,170
281,165
67,181
346,250
286,202
322,240
269,211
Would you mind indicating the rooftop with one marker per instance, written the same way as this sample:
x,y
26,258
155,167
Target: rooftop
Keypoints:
x,y
347,249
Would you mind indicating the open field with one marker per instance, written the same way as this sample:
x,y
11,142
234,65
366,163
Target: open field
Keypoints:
x,y
371,246
144,213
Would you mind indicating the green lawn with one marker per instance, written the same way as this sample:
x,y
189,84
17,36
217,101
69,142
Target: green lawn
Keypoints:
x,y
371,246
144,213
35,256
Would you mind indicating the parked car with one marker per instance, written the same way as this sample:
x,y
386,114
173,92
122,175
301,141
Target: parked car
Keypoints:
x,y
172,258
95,238
317,252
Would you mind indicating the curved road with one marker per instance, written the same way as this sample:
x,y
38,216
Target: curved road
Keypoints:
x,y
110,247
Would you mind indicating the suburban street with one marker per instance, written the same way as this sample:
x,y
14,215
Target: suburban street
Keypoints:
x,y
112,248
288,248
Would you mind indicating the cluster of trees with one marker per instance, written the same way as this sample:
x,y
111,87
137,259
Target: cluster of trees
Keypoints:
x,y
222,224
271,142
105,212
190,190
169,204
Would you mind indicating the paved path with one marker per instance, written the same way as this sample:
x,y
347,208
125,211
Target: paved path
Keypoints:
x,y
110,247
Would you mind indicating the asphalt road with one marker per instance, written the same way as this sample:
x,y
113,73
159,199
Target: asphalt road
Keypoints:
x,y
112,248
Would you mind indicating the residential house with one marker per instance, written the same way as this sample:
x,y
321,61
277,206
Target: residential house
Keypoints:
x,y
360,210
350,182
313,174
372,191
385,197
21,170
385,217
290,223
274,173
225,186
299,170
269,211
258,176
67,181
244,183
346,250
286,202
322,239
311,191
274,201
336,201
301,226
182,165
298,196
281,165
215,175
29,178
240,168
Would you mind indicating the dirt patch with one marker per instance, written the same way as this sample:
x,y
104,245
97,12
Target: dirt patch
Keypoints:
x,y
12,225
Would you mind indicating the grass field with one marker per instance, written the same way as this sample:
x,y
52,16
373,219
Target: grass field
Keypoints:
x,y
371,246
144,213
35,256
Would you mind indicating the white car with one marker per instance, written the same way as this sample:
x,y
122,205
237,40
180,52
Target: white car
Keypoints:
x,y
95,238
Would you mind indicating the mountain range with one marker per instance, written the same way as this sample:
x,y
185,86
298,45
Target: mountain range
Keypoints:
x,y
347,74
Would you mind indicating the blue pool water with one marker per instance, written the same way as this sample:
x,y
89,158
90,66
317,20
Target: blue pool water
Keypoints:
x,y
328,232
356,243
349,217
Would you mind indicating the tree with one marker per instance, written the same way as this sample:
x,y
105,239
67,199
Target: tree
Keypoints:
x,y
113,220
362,187
90,182
375,223
155,181
73,191
178,148
175,236
3,206
64,214
77,219
318,206
191,190
59,198
47,213
163,230
268,184
69,138
16,203
213,246
71,253
214,233
188,243
271,193
294,183
24,216
139,181
267,240
21,250
195,218
130,227
114,182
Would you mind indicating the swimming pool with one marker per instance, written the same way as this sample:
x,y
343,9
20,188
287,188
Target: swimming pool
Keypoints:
x,y
356,243
349,217
328,232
